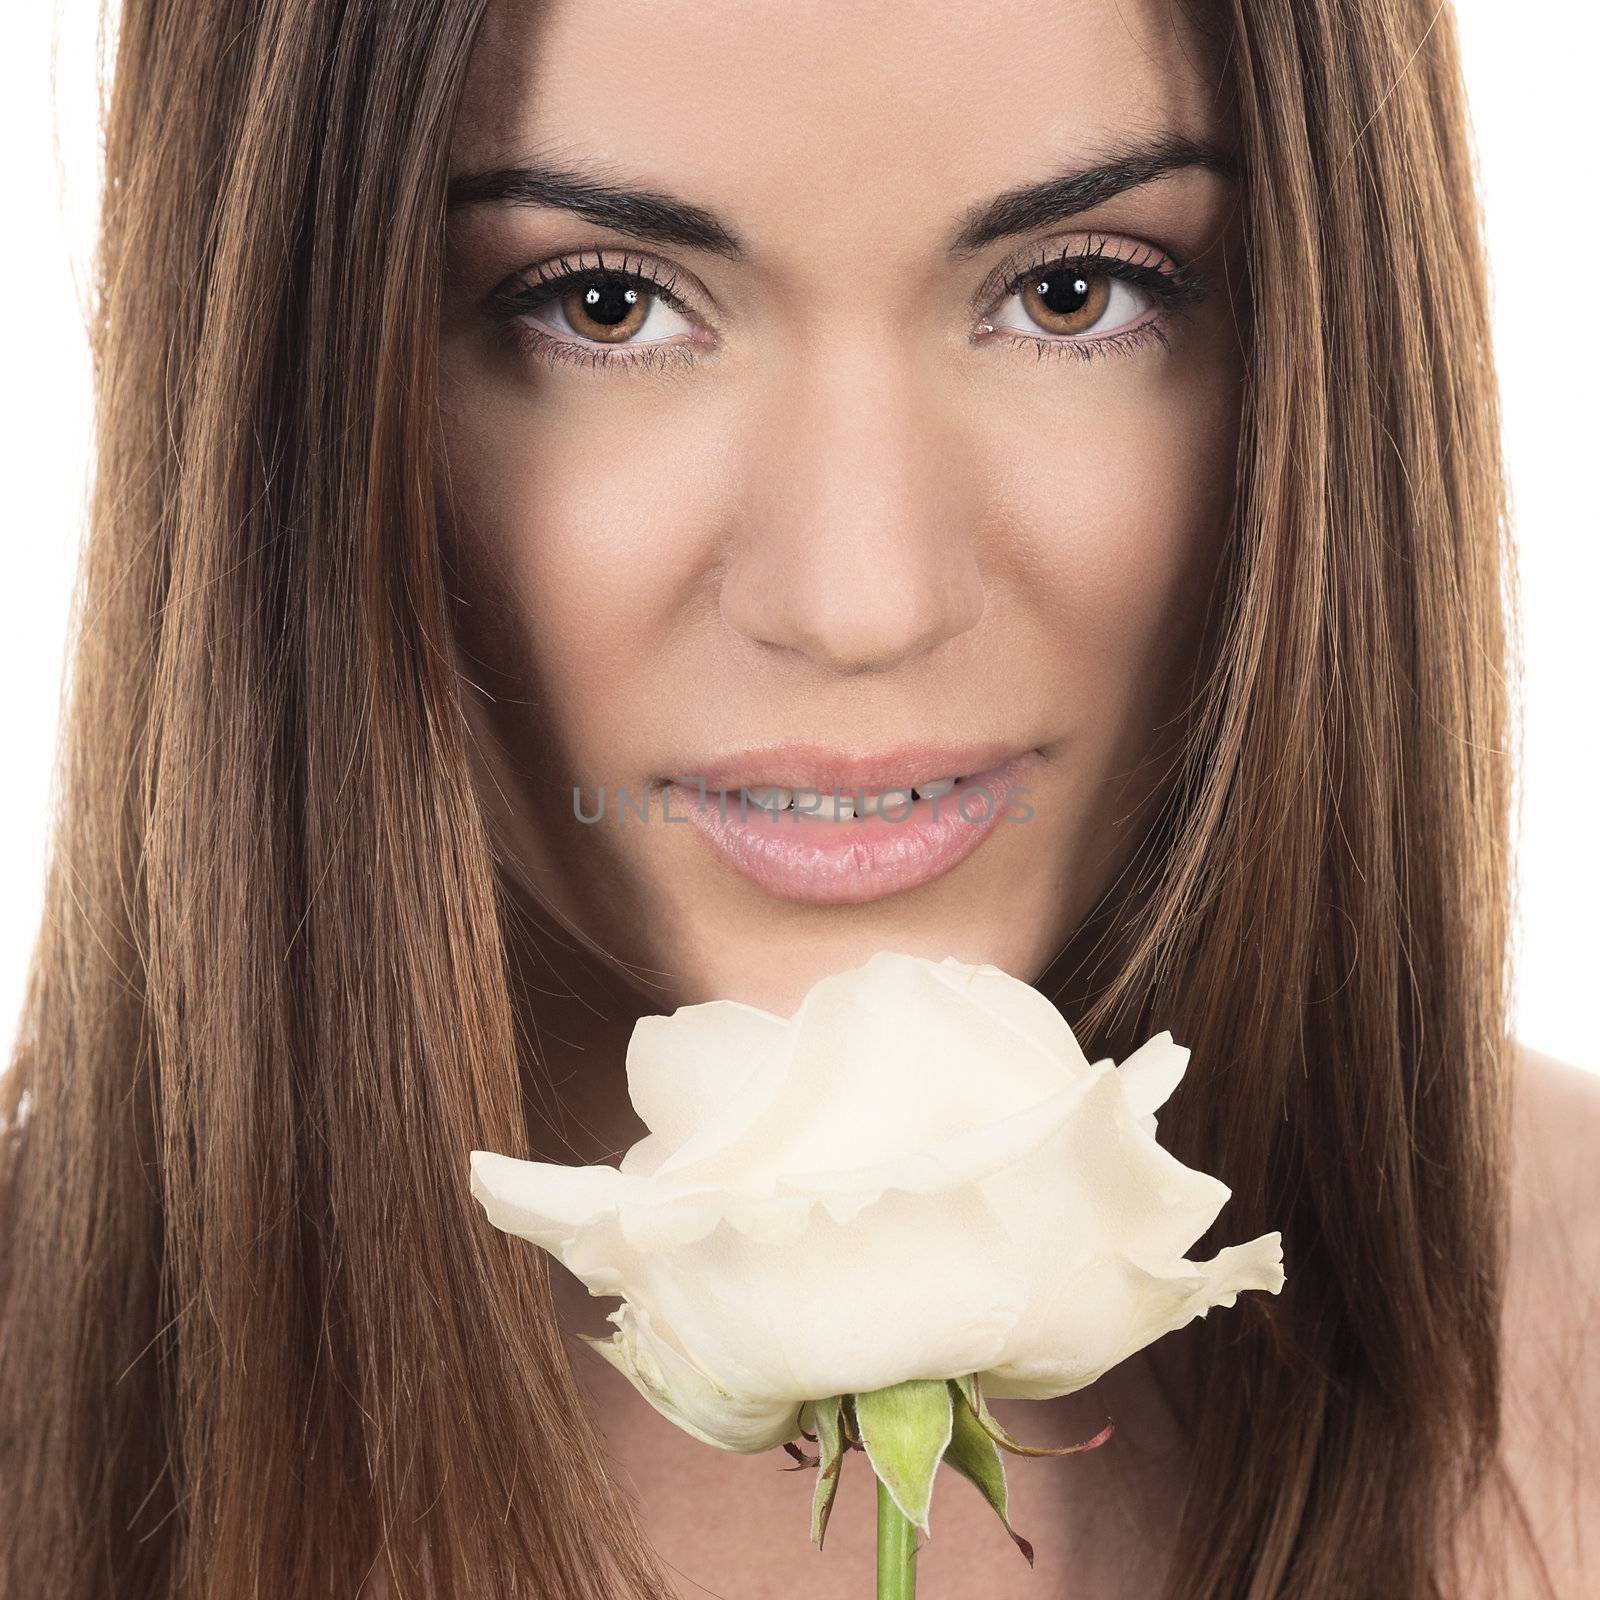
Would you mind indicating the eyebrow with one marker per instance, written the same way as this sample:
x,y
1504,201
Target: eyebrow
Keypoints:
x,y
664,219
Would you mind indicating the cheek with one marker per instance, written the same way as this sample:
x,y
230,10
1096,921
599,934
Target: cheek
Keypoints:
x,y
1119,508
596,528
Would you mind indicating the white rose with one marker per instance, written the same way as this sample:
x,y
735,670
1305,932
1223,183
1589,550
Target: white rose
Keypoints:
x,y
917,1176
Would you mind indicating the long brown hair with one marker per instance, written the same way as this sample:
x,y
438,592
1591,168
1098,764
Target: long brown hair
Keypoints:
x,y
256,1338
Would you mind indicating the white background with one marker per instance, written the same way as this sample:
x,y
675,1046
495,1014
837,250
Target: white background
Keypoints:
x,y
1532,94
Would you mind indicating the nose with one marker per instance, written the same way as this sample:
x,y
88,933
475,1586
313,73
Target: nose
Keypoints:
x,y
855,546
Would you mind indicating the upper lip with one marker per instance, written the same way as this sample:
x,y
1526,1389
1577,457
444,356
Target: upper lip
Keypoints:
x,y
813,766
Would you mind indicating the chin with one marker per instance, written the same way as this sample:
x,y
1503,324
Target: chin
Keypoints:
x,y
774,972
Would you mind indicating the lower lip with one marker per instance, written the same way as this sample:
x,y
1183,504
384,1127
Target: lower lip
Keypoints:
x,y
801,856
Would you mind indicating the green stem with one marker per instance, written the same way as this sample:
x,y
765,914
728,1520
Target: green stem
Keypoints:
x,y
897,1549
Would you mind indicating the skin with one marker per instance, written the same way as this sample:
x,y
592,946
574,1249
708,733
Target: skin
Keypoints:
x,y
839,518
846,522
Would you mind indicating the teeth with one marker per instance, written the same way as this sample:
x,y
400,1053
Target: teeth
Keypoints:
x,y
873,803
770,799
835,807
846,808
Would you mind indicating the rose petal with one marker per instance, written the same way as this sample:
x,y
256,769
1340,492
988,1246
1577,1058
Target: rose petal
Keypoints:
x,y
643,1158
965,1157
723,1125
1113,1307
683,1068
685,1395
1152,1072
917,1286
544,1201
1019,1006
678,1209
878,1071
1102,1183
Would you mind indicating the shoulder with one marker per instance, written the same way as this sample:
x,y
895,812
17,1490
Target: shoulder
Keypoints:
x,y
1555,1172
1555,1198
1551,1327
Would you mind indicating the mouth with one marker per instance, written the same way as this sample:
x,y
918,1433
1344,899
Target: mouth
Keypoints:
x,y
805,825
815,767
838,805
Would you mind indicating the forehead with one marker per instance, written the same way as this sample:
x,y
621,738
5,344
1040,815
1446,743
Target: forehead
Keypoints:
x,y
822,118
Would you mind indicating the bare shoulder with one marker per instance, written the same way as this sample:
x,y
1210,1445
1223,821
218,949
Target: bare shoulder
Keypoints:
x,y
1555,1187
1551,1400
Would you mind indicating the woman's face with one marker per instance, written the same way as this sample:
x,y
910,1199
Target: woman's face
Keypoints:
x,y
891,443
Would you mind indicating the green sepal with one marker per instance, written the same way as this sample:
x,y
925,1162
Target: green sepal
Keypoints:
x,y
831,1447
977,1458
972,1392
905,1430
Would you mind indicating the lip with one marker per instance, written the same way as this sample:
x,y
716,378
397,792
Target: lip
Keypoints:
x,y
797,856
796,766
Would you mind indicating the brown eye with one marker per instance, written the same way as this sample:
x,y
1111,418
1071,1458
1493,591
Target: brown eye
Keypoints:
x,y
1066,300
595,308
608,311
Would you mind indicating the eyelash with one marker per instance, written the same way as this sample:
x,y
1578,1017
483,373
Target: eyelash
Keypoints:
x,y
1174,290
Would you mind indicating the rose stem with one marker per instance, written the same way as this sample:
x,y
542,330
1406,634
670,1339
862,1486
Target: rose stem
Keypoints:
x,y
897,1549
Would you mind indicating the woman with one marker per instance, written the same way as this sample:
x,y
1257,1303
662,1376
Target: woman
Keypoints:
x,y
502,405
